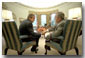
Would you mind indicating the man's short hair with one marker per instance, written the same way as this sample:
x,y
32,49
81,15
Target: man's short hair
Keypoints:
x,y
30,16
61,15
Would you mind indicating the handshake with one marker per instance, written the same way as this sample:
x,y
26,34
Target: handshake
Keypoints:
x,y
45,31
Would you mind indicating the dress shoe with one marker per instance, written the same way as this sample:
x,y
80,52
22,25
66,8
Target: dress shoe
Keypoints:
x,y
34,48
48,48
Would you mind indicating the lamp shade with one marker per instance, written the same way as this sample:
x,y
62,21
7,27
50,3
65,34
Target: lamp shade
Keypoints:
x,y
6,14
75,13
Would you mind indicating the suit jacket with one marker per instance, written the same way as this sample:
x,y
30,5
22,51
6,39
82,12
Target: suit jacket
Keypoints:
x,y
26,28
57,30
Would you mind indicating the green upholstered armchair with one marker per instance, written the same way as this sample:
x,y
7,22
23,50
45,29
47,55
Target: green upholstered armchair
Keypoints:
x,y
69,38
12,38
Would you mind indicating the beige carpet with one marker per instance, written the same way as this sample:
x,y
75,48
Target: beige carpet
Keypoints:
x,y
41,50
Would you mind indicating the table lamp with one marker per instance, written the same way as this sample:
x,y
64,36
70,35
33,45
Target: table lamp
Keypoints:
x,y
6,15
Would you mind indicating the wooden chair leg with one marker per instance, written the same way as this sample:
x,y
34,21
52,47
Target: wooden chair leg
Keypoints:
x,y
62,53
6,51
20,53
77,51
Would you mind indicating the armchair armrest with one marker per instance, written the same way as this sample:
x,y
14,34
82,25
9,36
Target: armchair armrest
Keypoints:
x,y
56,39
23,36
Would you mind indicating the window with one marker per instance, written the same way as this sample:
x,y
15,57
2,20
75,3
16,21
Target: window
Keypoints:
x,y
74,13
53,19
43,20
35,22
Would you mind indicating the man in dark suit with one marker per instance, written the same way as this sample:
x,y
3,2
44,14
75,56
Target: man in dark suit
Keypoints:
x,y
26,28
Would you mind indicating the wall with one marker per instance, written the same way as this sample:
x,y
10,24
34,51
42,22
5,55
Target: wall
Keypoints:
x,y
21,11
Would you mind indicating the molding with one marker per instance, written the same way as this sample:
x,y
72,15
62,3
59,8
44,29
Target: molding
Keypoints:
x,y
47,12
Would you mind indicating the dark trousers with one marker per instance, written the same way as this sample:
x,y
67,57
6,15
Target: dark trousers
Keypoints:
x,y
32,38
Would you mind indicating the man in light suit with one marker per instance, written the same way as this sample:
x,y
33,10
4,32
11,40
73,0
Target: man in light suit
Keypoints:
x,y
57,30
